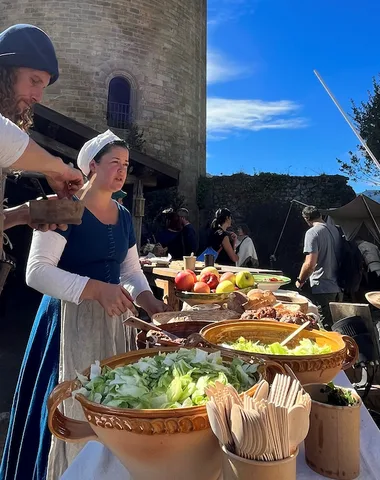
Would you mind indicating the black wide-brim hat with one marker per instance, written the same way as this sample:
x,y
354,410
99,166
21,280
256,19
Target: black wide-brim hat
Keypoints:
x,y
27,46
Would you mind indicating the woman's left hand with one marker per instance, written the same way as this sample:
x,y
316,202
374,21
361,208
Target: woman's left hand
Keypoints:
x,y
151,304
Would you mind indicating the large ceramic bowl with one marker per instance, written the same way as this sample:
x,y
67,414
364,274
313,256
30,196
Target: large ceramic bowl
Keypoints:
x,y
152,444
308,368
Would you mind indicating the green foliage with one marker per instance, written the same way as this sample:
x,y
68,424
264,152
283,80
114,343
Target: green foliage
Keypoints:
x,y
366,117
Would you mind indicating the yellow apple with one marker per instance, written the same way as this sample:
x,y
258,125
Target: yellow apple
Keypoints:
x,y
225,287
245,280
210,270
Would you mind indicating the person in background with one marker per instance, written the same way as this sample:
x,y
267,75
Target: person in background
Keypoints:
x,y
371,257
188,232
222,241
320,267
245,248
171,239
28,64
119,196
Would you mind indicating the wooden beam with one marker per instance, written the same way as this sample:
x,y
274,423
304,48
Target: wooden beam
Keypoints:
x,y
54,145
147,182
155,164
66,122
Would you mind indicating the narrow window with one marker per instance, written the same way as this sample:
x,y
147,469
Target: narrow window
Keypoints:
x,y
119,103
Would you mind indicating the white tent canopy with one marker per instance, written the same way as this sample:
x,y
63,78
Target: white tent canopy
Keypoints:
x,y
352,216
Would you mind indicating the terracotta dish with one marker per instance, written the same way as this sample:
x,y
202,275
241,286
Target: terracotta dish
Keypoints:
x,y
308,368
151,444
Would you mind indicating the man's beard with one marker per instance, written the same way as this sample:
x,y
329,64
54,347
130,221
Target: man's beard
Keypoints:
x,y
19,113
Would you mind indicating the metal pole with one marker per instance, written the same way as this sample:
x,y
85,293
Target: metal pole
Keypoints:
x,y
361,140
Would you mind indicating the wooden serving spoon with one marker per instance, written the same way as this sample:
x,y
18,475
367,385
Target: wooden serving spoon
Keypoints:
x,y
295,333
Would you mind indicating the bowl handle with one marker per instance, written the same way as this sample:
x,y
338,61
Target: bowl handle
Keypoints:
x,y
352,352
63,427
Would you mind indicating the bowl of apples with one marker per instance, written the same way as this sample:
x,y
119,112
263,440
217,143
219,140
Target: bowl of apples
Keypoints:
x,y
210,286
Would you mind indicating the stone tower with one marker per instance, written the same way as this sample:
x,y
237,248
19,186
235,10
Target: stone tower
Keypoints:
x,y
152,52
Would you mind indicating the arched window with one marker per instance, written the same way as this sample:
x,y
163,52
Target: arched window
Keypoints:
x,y
119,103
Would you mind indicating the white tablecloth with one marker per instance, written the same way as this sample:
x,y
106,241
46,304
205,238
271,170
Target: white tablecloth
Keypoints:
x,y
95,462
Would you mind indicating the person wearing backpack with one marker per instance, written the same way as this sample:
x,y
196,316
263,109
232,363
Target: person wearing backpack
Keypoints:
x,y
322,249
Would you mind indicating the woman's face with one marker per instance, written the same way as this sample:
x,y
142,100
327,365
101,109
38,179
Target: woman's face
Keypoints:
x,y
240,232
228,221
112,169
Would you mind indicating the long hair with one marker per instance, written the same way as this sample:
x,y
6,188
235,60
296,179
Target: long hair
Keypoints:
x,y
221,216
8,104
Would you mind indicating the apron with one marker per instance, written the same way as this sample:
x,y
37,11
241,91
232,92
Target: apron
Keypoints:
x,y
87,334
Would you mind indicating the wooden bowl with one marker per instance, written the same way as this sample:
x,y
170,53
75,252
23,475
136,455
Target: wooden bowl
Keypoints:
x,y
208,316
65,212
203,298
152,444
373,298
181,329
300,300
308,368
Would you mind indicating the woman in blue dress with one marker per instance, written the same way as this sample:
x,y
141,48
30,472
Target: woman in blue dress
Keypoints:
x,y
90,275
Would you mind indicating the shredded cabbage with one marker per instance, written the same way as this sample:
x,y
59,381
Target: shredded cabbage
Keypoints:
x,y
305,347
167,380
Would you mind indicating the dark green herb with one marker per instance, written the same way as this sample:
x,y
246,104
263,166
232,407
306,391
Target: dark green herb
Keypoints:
x,y
340,397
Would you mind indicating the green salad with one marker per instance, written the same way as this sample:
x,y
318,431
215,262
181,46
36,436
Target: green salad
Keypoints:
x,y
167,380
305,347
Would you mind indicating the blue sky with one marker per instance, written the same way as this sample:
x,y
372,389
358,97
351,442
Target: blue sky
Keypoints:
x,y
266,109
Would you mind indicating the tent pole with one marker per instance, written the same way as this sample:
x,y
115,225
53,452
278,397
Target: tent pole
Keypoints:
x,y
370,214
359,137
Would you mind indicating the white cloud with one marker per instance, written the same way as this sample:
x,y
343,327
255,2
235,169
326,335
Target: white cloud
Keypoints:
x,y
221,69
226,116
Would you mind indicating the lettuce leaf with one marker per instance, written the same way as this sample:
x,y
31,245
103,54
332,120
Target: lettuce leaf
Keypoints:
x,y
173,380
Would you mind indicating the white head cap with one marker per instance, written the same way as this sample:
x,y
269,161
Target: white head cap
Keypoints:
x,y
92,147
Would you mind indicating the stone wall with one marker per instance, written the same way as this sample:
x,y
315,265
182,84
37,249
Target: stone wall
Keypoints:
x,y
262,202
159,46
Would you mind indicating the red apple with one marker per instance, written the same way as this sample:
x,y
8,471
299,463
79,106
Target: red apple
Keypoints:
x,y
193,274
210,278
201,287
184,281
231,277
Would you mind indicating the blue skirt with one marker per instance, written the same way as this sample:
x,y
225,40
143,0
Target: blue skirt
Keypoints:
x,y
28,440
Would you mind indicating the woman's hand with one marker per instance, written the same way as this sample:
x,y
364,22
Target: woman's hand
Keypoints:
x,y
113,298
151,304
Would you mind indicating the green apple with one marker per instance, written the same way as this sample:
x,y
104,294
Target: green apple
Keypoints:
x,y
245,280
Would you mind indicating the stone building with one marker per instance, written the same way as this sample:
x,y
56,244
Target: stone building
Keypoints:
x,y
127,60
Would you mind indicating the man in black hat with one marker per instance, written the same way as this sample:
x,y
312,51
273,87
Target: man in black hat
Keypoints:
x,y
28,64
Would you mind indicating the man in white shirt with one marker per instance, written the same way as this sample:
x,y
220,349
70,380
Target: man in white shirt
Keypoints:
x,y
28,64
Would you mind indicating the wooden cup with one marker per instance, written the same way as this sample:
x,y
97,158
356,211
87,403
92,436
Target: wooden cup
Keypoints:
x,y
65,212
189,262
332,446
238,468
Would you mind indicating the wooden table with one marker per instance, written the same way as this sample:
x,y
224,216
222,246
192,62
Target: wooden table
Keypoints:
x,y
163,277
